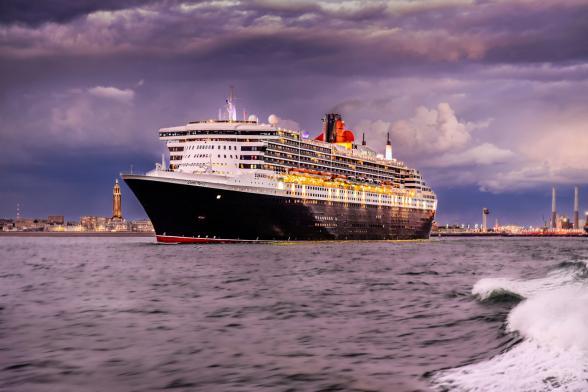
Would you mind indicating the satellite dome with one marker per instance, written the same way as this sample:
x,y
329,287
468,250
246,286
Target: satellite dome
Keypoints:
x,y
273,119
252,117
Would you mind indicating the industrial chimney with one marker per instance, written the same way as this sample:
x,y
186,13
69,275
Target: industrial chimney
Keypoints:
x,y
553,211
576,209
388,148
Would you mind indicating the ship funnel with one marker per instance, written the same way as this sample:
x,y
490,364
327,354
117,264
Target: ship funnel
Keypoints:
x,y
329,130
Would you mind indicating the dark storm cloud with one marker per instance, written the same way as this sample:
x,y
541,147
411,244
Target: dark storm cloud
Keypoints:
x,y
377,35
35,13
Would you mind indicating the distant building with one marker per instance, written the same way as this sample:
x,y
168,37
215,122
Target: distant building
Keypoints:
x,y
116,201
27,224
55,220
93,223
7,225
565,223
142,226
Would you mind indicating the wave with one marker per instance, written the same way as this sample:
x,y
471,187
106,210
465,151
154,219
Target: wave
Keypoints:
x,y
505,289
552,321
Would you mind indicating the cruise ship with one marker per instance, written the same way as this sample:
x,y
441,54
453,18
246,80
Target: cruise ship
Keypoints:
x,y
230,180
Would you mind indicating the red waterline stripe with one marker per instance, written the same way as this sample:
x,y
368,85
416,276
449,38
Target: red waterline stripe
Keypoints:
x,y
167,239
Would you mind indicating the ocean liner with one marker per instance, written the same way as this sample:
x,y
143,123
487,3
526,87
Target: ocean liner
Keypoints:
x,y
232,180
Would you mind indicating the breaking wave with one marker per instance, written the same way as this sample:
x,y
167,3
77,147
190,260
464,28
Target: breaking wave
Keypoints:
x,y
552,321
495,289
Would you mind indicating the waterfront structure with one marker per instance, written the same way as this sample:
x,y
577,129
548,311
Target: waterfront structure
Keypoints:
x,y
485,213
553,209
116,201
55,220
231,180
576,208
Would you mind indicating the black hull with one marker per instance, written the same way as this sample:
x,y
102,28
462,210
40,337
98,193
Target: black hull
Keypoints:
x,y
181,211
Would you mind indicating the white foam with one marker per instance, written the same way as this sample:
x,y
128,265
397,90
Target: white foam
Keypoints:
x,y
557,319
554,353
528,366
488,287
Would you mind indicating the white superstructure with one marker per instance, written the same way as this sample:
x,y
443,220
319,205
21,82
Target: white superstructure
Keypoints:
x,y
264,158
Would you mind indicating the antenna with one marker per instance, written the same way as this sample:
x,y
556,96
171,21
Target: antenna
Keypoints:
x,y
363,143
231,109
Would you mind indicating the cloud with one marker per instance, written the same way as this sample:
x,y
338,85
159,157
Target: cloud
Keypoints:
x,y
428,131
92,118
120,95
289,124
554,153
381,35
481,155
58,11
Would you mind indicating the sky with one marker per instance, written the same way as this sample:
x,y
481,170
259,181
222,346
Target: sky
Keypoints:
x,y
489,99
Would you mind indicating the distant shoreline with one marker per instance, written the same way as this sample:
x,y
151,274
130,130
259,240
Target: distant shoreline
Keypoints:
x,y
75,234
145,235
551,235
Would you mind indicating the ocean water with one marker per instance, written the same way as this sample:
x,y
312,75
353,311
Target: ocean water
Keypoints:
x,y
125,314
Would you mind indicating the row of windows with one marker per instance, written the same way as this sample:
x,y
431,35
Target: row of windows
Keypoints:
x,y
380,171
313,147
352,195
216,132
347,172
230,156
209,147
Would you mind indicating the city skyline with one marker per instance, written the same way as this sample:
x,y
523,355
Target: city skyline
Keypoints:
x,y
565,208
486,98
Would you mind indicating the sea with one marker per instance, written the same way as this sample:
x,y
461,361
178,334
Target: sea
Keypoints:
x,y
447,314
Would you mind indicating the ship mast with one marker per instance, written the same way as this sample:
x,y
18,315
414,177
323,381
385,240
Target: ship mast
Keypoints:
x,y
231,108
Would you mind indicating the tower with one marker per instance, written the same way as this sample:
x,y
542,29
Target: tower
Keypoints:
x,y
485,213
363,143
388,148
553,210
116,201
576,209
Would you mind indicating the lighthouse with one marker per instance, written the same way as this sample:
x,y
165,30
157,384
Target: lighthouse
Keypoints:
x,y
116,201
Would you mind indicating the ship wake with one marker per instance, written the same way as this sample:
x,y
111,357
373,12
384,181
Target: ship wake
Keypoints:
x,y
551,319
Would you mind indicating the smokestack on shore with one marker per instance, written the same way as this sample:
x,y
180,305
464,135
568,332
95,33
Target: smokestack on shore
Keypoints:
x,y
553,210
576,209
